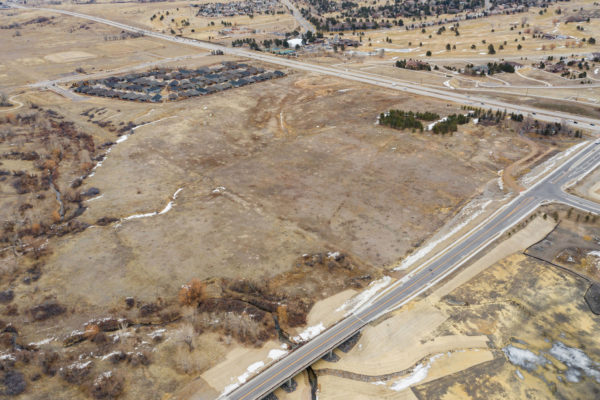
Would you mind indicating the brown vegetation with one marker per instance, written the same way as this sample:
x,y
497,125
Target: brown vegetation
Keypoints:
x,y
191,292
107,385
48,148
249,310
47,309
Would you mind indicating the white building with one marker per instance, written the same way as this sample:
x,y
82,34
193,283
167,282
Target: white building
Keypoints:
x,y
294,42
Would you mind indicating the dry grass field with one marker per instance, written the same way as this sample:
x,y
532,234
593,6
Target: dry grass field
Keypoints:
x,y
236,185
175,13
154,250
56,47
494,30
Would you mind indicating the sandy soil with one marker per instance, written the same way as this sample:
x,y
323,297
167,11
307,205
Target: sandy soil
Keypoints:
x,y
329,310
414,336
236,363
589,187
333,387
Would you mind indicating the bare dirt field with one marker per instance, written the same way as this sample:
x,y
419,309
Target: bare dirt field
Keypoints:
x,y
572,245
589,187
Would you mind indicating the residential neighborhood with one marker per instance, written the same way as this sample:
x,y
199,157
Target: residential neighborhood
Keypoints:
x,y
164,84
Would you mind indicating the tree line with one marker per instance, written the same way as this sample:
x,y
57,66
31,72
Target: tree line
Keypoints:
x,y
399,119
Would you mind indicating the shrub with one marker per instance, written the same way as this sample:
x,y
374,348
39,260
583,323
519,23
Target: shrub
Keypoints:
x,y
107,385
46,310
191,293
48,361
91,331
56,216
14,383
76,373
149,309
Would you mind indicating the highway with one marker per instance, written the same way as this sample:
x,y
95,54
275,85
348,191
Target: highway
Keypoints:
x,y
307,26
547,190
357,76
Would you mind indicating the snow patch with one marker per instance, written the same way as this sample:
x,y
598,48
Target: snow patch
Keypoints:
x,y
519,374
79,365
165,210
123,138
398,50
309,333
109,355
42,342
99,163
95,198
157,333
524,358
276,354
577,361
363,297
170,204
470,211
244,377
430,126
419,373
546,166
